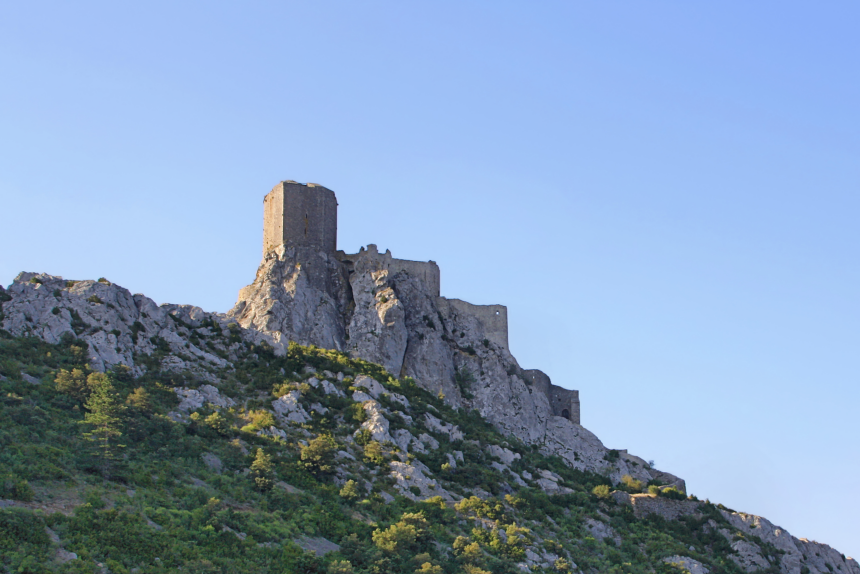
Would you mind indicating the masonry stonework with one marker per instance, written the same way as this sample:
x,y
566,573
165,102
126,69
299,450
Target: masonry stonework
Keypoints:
x,y
425,271
493,318
563,402
305,217
300,215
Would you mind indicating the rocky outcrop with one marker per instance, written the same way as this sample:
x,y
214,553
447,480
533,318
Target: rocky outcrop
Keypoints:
x,y
645,504
115,325
378,310
377,329
687,564
370,305
299,294
193,399
389,311
797,554
747,535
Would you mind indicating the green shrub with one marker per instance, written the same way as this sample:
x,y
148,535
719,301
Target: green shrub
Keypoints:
x,y
263,471
464,379
673,493
409,534
601,491
632,484
24,542
350,490
16,489
373,453
318,455
363,437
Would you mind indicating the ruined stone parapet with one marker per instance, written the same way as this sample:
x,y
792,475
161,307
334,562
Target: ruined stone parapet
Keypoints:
x,y
538,380
427,272
563,402
301,216
492,318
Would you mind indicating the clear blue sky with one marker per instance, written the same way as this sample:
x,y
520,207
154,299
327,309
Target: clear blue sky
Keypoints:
x,y
665,194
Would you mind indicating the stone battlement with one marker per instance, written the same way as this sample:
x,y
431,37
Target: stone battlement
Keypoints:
x,y
425,271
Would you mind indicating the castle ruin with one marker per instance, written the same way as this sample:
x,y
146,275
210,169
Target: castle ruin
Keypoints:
x,y
300,215
305,216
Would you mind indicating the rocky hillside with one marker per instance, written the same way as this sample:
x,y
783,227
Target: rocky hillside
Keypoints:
x,y
363,309
144,438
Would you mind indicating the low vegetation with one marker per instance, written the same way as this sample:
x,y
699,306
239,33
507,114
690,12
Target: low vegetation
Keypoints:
x,y
99,473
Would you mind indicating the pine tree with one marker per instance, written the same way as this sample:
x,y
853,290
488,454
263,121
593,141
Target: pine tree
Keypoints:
x,y
318,455
104,416
263,470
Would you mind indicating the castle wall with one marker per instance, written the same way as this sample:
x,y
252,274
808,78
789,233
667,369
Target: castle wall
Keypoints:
x,y
273,219
425,271
564,401
493,318
300,215
305,217
539,380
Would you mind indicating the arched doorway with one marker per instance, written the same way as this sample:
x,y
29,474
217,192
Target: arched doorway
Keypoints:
x,y
566,414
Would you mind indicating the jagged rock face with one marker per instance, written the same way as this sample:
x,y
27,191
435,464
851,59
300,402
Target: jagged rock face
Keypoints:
x,y
396,320
377,330
797,552
115,324
353,304
299,295
428,358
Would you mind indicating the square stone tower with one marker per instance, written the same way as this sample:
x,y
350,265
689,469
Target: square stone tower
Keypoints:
x,y
300,215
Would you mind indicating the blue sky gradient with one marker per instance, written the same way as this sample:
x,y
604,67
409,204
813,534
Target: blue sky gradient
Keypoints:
x,y
664,194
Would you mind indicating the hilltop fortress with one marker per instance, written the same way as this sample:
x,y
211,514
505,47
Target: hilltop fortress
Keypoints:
x,y
302,219
384,310
368,304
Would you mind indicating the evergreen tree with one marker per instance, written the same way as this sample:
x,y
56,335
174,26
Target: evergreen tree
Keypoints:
x,y
318,455
72,383
350,490
139,399
263,470
104,416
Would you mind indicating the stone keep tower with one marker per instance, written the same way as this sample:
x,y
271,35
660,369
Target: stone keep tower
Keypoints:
x,y
300,215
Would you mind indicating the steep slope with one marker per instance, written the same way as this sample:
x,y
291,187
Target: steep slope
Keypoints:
x,y
237,453
389,311
389,319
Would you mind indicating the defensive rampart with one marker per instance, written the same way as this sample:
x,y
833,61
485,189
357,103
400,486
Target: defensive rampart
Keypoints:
x,y
563,402
493,319
426,272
